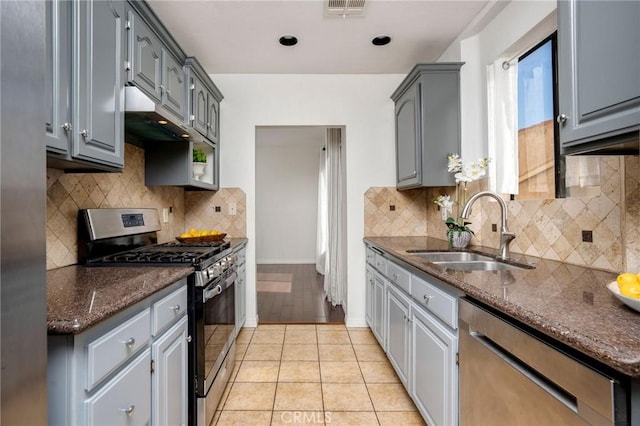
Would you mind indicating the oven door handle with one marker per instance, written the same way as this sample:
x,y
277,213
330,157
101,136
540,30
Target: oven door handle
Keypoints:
x,y
211,292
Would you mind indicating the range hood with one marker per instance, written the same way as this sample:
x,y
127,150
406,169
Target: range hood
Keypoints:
x,y
147,122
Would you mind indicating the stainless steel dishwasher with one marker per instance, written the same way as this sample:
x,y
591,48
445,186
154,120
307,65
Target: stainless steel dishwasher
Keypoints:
x,y
508,376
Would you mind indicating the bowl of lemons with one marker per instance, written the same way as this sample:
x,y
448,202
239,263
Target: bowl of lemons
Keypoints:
x,y
201,236
626,288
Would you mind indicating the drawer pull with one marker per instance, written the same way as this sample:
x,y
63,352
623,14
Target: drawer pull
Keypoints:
x,y
395,277
130,342
176,308
129,410
426,298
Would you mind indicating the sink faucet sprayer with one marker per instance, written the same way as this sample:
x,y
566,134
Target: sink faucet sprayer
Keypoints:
x,y
505,235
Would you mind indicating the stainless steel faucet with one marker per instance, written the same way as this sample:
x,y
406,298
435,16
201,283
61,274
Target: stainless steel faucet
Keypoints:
x,y
505,235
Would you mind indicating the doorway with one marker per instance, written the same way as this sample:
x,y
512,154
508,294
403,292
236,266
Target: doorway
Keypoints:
x,y
289,288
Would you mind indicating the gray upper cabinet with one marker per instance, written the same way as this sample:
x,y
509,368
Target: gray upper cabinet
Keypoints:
x,y
203,100
598,75
199,104
58,125
170,163
408,146
153,65
85,56
99,81
173,84
427,116
144,63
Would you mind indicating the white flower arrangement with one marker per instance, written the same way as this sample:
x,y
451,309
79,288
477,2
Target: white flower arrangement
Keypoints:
x,y
463,175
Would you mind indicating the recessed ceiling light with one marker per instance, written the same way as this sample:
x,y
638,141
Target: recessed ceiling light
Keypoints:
x,y
288,40
381,40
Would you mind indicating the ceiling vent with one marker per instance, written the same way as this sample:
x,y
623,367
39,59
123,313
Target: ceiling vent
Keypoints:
x,y
344,8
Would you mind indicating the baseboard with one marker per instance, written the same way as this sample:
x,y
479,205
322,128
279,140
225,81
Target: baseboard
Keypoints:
x,y
355,322
251,322
285,261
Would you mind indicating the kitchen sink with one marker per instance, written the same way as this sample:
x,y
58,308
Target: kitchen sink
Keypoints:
x,y
452,256
467,261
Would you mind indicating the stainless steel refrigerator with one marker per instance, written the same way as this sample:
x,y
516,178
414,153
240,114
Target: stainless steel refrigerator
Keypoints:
x,y
23,295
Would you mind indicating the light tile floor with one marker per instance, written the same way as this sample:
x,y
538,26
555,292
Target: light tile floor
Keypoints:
x,y
319,374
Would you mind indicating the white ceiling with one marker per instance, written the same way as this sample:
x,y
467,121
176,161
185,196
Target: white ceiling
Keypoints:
x,y
241,36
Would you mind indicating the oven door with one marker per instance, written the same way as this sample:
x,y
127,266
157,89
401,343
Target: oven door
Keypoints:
x,y
218,319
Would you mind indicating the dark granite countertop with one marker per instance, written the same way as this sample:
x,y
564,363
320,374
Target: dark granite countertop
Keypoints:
x,y
566,302
79,297
236,242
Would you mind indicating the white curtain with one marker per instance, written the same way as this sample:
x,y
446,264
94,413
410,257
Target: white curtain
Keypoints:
x,y
502,111
321,234
331,220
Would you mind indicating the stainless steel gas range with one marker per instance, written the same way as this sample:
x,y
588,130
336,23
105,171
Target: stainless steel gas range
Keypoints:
x,y
128,237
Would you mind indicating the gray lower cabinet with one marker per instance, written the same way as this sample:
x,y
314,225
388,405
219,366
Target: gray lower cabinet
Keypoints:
x,y
369,295
419,323
85,85
130,369
124,400
427,119
399,332
152,66
241,288
434,376
598,74
169,390
378,311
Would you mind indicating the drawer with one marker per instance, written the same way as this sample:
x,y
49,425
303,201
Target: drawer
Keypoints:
x,y
381,264
113,348
399,276
441,304
169,309
371,256
125,399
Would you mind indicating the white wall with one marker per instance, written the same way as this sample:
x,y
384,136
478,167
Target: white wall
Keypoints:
x,y
287,163
480,47
360,103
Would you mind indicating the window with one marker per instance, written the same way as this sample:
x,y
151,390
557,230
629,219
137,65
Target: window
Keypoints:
x,y
542,172
537,154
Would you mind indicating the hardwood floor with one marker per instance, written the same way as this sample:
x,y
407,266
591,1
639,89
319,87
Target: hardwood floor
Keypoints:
x,y
305,303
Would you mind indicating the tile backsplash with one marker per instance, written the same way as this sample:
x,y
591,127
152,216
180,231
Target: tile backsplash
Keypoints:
x,y
551,229
69,192
201,211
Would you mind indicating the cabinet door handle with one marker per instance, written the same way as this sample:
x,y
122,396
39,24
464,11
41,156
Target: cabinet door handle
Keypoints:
x,y
129,410
84,133
67,127
188,339
562,118
175,309
130,342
